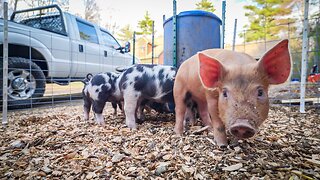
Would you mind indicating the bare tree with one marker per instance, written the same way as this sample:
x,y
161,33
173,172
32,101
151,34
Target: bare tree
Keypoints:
x,y
12,6
15,4
64,4
92,11
111,25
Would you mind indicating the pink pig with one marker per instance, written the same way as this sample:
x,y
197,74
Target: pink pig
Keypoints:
x,y
230,89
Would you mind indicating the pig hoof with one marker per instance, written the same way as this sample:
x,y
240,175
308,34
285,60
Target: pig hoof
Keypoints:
x,y
132,125
86,117
222,144
101,123
178,131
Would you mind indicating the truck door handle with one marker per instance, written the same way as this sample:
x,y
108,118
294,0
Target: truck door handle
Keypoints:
x,y
80,48
105,54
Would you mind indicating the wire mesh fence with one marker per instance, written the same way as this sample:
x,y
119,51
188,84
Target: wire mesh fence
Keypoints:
x,y
289,93
46,65
51,137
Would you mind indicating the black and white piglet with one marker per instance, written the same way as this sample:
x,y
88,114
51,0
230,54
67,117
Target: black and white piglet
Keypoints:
x,y
138,86
98,90
139,83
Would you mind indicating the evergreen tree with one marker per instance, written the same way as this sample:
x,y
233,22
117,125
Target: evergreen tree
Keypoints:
x,y
265,17
126,33
145,25
205,5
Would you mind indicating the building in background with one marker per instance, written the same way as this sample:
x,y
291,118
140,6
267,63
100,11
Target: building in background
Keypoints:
x,y
144,50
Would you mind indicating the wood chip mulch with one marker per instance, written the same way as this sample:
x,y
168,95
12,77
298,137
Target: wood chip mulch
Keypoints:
x,y
56,143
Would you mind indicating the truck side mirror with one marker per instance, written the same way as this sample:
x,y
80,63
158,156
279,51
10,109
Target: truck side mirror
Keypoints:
x,y
127,47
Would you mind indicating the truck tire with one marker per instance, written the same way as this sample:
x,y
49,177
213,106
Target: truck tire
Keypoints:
x,y
26,82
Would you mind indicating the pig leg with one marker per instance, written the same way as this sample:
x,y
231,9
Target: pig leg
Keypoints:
x,y
189,117
97,109
86,108
219,131
121,106
114,106
180,110
130,107
140,113
204,114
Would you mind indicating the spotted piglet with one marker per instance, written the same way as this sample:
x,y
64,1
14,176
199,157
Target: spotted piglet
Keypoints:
x,y
138,83
98,90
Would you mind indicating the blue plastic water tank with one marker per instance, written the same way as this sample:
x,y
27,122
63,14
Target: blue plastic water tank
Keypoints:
x,y
196,31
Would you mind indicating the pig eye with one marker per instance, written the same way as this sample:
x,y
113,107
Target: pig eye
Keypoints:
x,y
225,93
260,92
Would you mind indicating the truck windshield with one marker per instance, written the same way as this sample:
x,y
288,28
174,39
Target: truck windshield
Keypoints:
x,y
48,18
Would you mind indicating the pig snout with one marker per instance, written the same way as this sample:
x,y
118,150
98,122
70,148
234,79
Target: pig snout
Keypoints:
x,y
242,129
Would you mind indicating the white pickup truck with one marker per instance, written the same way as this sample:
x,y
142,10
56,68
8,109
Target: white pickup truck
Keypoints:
x,y
48,45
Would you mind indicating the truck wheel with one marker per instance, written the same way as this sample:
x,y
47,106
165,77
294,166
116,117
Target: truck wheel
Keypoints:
x,y
26,82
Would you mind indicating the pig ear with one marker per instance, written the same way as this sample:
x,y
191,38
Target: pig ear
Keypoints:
x,y
210,71
276,63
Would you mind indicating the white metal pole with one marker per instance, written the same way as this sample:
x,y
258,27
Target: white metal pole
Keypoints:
x,y
305,47
5,65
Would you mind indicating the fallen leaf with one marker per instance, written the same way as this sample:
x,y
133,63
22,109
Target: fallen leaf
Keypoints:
x,y
71,155
117,158
233,167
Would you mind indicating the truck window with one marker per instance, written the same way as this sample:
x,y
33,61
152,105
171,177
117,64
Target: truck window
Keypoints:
x,y
109,40
87,32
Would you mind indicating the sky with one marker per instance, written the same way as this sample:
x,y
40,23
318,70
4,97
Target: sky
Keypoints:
x,y
131,11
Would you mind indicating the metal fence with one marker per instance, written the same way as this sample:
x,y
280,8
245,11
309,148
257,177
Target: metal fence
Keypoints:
x,y
45,67
41,74
37,80
291,31
289,93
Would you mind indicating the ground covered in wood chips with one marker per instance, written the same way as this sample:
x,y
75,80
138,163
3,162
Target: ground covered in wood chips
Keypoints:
x,y
57,143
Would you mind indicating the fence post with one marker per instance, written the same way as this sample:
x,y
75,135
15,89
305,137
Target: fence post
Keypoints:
x,y
152,56
265,34
174,21
134,48
289,30
317,44
305,47
5,65
223,22
234,35
244,41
